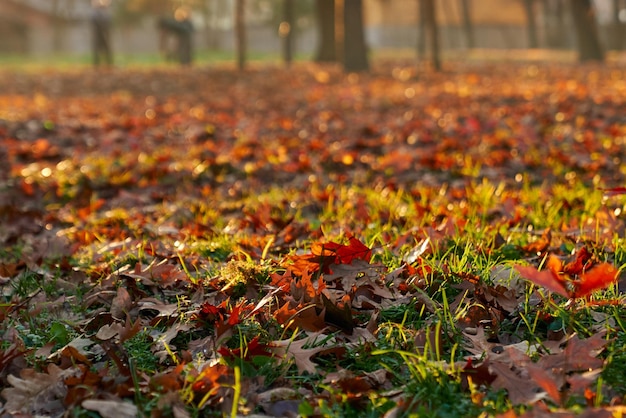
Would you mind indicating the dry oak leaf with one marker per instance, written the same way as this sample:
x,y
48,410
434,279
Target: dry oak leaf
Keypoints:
x,y
521,389
579,355
121,303
37,393
111,408
302,356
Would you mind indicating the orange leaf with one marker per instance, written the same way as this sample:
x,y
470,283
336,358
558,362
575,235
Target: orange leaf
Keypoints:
x,y
546,380
599,277
554,264
544,278
583,256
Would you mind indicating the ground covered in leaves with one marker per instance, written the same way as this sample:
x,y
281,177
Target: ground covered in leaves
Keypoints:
x,y
203,242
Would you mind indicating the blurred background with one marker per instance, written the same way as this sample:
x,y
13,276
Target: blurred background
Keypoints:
x,y
39,29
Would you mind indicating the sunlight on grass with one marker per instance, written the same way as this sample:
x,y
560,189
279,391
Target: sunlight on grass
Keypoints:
x,y
314,243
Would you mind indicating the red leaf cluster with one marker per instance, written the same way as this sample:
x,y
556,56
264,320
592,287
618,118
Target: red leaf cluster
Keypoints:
x,y
576,279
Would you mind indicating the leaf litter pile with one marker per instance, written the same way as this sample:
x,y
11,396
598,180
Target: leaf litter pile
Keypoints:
x,y
203,242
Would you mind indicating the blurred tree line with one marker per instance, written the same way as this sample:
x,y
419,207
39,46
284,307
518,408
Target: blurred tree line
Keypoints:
x,y
341,30
339,25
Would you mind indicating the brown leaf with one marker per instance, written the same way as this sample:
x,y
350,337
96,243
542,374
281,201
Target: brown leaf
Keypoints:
x,y
37,393
111,408
302,356
546,380
121,303
521,390
341,318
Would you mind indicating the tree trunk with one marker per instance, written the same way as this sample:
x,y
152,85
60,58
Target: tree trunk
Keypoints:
x,y
57,27
429,20
354,48
586,28
531,23
240,33
468,27
617,27
286,30
326,48
421,30
554,26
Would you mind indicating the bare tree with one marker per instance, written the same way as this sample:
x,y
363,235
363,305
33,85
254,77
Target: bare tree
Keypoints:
x,y
468,27
240,33
58,26
618,28
428,25
354,48
529,8
286,30
586,28
327,47
554,24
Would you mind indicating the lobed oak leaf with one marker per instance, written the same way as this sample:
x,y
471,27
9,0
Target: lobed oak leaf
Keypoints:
x,y
37,393
520,389
304,264
161,346
295,349
581,355
162,310
304,289
339,317
167,275
546,380
282,281
303,317
359,274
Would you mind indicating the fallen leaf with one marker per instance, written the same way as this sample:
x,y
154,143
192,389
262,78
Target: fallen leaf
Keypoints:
x,y
599,277
121,303
545,278
111,408
521,390
294,349
37,393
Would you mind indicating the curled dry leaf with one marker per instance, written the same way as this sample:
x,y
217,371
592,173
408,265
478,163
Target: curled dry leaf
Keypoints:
x,y
37,393
121,303
111,408
295,349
